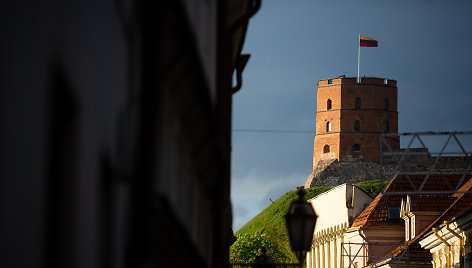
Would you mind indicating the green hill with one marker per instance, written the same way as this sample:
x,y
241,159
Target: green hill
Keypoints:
x,y
268,227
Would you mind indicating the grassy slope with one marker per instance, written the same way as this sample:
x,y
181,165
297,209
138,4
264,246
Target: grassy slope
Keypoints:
x,y
271,220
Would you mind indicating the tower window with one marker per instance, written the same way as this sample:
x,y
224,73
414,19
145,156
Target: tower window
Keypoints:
x,y
356,148
326,149
328,104
328,126
357,125
358,103
330,81
386,105
386,127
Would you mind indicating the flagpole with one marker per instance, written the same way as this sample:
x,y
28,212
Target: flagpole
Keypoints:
x,y
358,58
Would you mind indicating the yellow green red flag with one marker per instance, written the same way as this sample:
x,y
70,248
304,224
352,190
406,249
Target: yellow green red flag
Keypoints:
x,y
368,42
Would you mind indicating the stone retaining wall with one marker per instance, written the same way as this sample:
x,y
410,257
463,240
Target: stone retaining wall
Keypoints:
x,y
331,172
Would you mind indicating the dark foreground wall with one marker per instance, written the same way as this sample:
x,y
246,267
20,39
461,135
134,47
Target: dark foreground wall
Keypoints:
x,y
115,132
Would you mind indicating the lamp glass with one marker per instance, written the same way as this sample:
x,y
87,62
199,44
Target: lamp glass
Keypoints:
x,y
301,220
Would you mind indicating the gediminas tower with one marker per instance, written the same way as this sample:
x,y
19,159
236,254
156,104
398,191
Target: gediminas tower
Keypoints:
x,y
351,116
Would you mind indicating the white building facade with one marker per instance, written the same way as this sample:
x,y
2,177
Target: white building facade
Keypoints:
x,y
336,210
450,243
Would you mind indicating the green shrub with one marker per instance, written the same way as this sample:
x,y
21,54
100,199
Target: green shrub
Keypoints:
x,y
248,246
372,187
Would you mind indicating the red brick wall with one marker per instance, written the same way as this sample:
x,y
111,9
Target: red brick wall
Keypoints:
x,y
343,113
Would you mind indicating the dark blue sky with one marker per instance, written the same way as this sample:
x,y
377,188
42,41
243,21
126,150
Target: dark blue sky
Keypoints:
x,y
424,45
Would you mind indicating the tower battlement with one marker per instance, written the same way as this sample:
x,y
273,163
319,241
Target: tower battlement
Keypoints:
x,y
352,80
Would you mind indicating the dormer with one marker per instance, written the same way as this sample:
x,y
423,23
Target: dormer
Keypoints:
x,y
402,209
408,217
421,210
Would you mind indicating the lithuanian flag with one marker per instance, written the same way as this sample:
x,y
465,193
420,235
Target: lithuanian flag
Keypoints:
x,y
368,42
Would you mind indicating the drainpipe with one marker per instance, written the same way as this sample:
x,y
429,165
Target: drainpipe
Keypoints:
x,y
365,249
461,239
448,246
242,59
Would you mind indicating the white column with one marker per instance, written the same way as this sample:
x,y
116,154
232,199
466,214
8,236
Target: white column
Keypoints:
x,y
323,257
328,243
335,252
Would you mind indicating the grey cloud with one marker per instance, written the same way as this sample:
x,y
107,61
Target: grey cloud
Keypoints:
x,y
239,211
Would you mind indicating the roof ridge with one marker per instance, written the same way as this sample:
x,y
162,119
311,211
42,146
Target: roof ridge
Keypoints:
x,y
365,214
391,182
332,189
465,187
367,211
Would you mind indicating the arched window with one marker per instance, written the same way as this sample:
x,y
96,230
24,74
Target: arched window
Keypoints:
x,y
326,149
386,105
386,127
328,127
328,104
357,125
358,103
356,148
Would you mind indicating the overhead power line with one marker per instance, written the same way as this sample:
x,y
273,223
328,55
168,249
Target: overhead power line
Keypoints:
x,y
274,130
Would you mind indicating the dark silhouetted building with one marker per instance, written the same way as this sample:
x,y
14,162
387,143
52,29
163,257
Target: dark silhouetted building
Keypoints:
x,y
116,131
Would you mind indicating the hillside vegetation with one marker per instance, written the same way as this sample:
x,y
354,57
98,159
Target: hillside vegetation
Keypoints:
x,y
270,225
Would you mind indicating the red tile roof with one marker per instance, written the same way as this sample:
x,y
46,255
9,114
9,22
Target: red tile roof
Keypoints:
x,y
376,213
431,202
366,213
412,183
462,203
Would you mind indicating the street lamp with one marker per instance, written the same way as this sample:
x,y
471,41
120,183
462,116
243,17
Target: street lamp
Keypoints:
x,y
263,261
301,220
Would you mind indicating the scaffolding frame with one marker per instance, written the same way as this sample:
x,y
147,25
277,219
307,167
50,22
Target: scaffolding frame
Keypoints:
x,y
400,169
373,261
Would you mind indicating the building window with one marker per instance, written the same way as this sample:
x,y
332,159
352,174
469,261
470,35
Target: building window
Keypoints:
x,y
328,127
357,125
358,103
328,104
385,81
386,127
393,213
356,148
386,105
326,149
330,81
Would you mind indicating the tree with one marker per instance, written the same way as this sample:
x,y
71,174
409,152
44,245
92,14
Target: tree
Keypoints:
x,y
248,246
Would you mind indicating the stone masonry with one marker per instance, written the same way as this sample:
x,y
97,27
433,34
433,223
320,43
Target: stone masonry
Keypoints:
x,y
331,172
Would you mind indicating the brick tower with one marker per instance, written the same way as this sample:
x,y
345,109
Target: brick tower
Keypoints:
x,y
350,117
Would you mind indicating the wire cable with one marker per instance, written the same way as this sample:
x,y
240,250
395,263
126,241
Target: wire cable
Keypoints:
x,y
273,131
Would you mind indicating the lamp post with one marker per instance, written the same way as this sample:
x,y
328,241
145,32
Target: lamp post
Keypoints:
x,y
301,220
263,261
